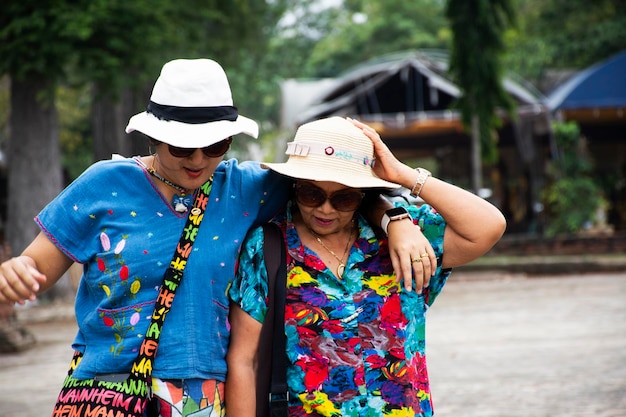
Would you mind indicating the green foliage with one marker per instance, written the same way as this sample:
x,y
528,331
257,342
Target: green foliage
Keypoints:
x,y
255,65
74,123
572,159
37,38
477,49
572,203
327,43
123,42
4,111
564,34
587,32
573,197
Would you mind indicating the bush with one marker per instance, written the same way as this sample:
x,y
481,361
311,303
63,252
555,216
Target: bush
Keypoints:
x,y
573,196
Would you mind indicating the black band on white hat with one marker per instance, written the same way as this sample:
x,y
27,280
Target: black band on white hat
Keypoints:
x,y
193,115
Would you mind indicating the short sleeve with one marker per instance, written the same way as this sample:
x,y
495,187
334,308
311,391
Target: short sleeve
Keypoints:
x,y
249,289
73,220
264,191
433,226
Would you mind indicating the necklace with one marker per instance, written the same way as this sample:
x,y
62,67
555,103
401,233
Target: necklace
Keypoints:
x,y
342,266
182,202
160,177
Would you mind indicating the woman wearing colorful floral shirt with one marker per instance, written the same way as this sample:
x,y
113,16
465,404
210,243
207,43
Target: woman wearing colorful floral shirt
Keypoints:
x,y
355,333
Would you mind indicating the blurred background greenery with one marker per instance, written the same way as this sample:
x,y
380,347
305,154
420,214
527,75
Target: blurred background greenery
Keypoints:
x,y
74,71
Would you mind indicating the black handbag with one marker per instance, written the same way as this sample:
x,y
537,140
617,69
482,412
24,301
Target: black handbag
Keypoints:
x,y
272,395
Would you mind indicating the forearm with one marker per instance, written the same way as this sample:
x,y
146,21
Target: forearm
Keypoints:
x,y
470,216
23,277
48,260
473,225
241,390
242,359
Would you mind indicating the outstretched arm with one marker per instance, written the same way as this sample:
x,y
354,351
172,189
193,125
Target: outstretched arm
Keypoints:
x,y
38,268
473,224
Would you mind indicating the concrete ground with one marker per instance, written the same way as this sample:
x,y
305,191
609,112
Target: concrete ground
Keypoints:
x,y
499,345
514,346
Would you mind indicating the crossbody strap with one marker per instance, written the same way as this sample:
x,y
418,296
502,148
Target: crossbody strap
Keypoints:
x,y
143,364
272,340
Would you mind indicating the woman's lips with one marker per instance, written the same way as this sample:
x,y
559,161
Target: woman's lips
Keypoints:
x,y
323,222
193,173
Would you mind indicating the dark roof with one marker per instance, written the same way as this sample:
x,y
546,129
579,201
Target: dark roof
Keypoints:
x,y
408,95
599,86
412,84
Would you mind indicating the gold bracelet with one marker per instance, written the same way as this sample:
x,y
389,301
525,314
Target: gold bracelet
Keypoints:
x,y
422,176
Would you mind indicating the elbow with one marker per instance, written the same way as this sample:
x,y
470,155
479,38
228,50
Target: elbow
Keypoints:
x,y
500,225
495,228
462,249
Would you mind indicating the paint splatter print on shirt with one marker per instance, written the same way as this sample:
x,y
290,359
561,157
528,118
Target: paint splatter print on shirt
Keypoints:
x,y
356,346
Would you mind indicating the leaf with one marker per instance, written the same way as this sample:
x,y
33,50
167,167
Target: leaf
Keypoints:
x,y
105,241
106,289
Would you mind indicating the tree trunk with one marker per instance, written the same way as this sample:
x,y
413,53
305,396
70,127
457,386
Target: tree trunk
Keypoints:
x,y
33,157
109,118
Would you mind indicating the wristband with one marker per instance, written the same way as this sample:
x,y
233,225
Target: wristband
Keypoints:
x,y
422,176
396,213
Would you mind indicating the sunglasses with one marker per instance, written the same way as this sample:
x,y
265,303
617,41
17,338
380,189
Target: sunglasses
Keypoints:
x,y
343,200
212,151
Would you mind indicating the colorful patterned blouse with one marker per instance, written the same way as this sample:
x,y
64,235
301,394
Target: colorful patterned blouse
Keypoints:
x,y
356,347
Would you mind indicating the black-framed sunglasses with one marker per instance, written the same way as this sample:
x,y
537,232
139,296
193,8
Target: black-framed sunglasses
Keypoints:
x,y
212,151
310,195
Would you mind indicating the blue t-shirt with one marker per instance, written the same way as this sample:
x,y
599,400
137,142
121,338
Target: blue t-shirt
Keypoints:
x,y
115,221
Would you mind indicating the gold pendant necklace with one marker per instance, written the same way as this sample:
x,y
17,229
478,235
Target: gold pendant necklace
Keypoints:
x,y
342,266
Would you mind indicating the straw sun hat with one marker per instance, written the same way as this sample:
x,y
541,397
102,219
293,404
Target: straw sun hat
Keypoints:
x,y
192,106
331,149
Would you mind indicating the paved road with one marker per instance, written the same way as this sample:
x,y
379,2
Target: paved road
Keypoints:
x,y
519,347
499,345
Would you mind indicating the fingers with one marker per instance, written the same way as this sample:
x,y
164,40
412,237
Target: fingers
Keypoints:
x,y
412,256
415,270
386,166
19,281
404,270
370,132
361,125
424,267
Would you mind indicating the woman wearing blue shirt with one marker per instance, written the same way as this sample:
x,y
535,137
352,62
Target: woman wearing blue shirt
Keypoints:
x,y
122,219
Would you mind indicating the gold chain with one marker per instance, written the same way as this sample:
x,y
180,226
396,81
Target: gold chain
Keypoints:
x,y
342,266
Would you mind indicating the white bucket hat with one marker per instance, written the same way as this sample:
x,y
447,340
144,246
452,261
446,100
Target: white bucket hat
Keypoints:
x,y
331,149
191,106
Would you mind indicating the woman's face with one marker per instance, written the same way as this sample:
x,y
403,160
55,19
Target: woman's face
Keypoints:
x,y
189,168
325,218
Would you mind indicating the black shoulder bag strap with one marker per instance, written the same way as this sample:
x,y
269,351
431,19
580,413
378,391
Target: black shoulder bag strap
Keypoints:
x,y
271,388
